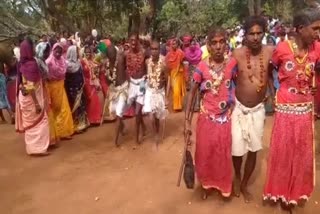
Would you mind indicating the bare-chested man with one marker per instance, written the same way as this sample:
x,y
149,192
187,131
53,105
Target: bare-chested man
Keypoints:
x,y
118,91
136,70
251,80
156,97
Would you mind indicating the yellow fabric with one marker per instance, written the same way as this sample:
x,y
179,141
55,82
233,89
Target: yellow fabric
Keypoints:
x,y
205,52
178,85
60,109
52,126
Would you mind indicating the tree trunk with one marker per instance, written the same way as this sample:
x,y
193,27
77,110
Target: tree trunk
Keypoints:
x,y
251,7
258,7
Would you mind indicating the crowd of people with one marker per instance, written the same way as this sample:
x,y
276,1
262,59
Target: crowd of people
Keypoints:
x,y
63,86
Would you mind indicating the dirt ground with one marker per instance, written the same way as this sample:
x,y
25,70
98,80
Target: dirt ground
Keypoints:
x,y
88,175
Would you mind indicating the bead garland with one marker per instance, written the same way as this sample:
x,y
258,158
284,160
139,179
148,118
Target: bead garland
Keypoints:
x,y
217,74
262,70
154,72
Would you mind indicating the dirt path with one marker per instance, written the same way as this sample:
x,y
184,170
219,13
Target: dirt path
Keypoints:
x,y
88,175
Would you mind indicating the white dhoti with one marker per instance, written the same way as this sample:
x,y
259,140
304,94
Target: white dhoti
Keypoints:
x,y
118,99
247,128
136,91
154,102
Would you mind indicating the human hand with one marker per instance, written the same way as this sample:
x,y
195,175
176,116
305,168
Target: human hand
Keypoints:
x,y
313,90
38,109
187,128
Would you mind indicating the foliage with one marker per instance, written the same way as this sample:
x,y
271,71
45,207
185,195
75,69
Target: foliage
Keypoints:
x,y
117,17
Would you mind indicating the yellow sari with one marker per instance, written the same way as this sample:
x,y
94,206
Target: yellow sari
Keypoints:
x,y
63,126
178,83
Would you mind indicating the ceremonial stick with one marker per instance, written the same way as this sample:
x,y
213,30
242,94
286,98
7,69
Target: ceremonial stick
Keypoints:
x,y
186,144
313,132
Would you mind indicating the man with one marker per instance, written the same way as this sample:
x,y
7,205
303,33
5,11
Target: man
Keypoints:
x,y
136,69
119,93
248,117
174,61
213,133
156,97
291,164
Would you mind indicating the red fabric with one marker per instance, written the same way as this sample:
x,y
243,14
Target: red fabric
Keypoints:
x,y
317,97
288,78
174,58
93,104
226,94
103,79
213,161
213,139
290,164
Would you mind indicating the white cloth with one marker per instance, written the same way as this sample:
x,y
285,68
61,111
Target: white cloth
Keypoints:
x,y
247,126
136,90
16,52
154,102
118,99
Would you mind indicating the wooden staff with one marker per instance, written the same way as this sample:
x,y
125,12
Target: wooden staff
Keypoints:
x,y
313,132
186,144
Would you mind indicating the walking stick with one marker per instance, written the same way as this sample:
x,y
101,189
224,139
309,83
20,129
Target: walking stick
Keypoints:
x,y
313,132
186,144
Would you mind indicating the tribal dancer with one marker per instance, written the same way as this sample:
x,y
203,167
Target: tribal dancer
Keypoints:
x,y
251,80
212,76
155,98
291,167
118,92
135,61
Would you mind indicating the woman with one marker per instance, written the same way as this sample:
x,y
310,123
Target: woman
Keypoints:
x,y
58,97
174,61
42,53
290,174
74,83
31,115
92,88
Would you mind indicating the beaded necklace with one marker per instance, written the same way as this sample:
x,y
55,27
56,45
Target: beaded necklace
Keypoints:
x,y
154,72
262,70
111,75
217,74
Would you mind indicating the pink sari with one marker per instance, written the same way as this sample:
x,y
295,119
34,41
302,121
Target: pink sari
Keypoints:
x,y
35,126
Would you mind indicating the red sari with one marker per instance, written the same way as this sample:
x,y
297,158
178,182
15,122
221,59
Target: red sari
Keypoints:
x,y
93,91
290,174
213,160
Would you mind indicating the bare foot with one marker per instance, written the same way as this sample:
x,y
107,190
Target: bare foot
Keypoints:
x,y
53,146
66,138
157,139
302,202
205,194
40,154
236,187
287,207
246,195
